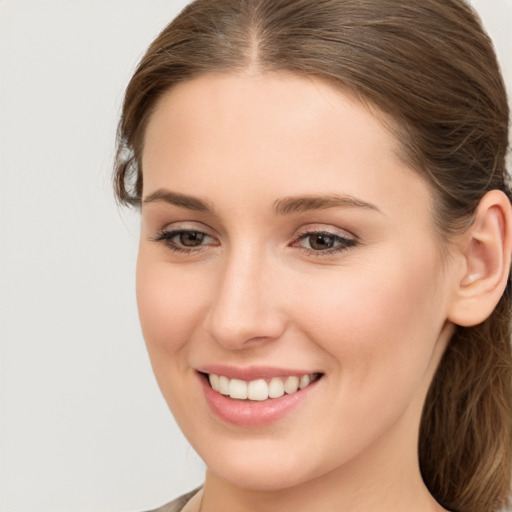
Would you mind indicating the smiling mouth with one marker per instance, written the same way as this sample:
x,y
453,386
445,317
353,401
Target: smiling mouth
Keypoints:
x,y
260,389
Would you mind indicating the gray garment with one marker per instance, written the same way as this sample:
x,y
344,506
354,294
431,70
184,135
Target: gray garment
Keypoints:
x,y
178,503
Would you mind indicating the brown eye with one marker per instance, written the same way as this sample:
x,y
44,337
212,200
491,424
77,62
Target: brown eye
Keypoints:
x,y
321,241
191,238
324,242
186,240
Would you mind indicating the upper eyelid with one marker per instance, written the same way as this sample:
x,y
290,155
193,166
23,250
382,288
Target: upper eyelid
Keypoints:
x,y
186,226
323,228
177,231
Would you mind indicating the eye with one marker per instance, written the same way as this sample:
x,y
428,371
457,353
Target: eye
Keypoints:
x,y
185,240
190,238
320,241
324,242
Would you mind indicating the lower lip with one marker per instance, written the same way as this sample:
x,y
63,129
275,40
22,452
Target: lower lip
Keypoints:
x,y
248,413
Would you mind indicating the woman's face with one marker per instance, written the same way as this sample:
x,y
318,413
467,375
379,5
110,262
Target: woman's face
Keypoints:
x,y
283,240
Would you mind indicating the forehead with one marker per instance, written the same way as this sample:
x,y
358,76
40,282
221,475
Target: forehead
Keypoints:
x,y
282,133
245,99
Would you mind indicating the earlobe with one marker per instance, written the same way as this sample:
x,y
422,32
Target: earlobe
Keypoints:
x,y
486,252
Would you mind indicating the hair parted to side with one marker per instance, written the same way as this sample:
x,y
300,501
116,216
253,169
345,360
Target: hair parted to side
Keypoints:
x,y
429,66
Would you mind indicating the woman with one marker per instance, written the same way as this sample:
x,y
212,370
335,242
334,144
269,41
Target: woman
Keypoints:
x,y
323,273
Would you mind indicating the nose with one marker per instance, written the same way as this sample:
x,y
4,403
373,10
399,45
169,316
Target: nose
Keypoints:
x,y
245,307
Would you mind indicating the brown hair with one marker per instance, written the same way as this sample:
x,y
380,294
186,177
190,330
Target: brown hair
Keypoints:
x,y
429,66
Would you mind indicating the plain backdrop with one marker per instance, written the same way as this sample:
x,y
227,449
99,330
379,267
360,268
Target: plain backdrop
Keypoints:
x,y
83,426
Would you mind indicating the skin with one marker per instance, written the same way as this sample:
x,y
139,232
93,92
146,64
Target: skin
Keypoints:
x,y
373,318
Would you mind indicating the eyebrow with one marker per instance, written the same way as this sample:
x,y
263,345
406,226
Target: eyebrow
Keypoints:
x,y
283,206
288,205
176,199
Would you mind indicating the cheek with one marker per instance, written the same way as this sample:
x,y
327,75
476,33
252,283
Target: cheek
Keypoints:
x,y
169,306
379,323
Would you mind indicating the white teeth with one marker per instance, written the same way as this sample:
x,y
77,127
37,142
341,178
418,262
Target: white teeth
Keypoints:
x,y
223,385
260,389
291,385
304,381
214,381
238,389
257,390
276,388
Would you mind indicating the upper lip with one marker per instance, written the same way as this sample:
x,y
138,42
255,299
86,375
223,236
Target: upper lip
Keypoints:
x,y
252,372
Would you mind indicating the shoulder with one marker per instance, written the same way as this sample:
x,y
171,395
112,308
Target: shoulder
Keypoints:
x,y
177,504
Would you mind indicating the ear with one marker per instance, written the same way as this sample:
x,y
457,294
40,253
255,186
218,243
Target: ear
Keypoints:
x,y
486,253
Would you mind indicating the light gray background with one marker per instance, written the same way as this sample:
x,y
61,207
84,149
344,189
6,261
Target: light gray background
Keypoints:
x,y
83,426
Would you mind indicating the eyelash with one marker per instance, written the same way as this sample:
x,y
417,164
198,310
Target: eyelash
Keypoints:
x,y
167,236
344,243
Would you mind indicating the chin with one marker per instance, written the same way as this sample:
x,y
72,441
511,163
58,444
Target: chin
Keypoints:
x,y
271,477
266,464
